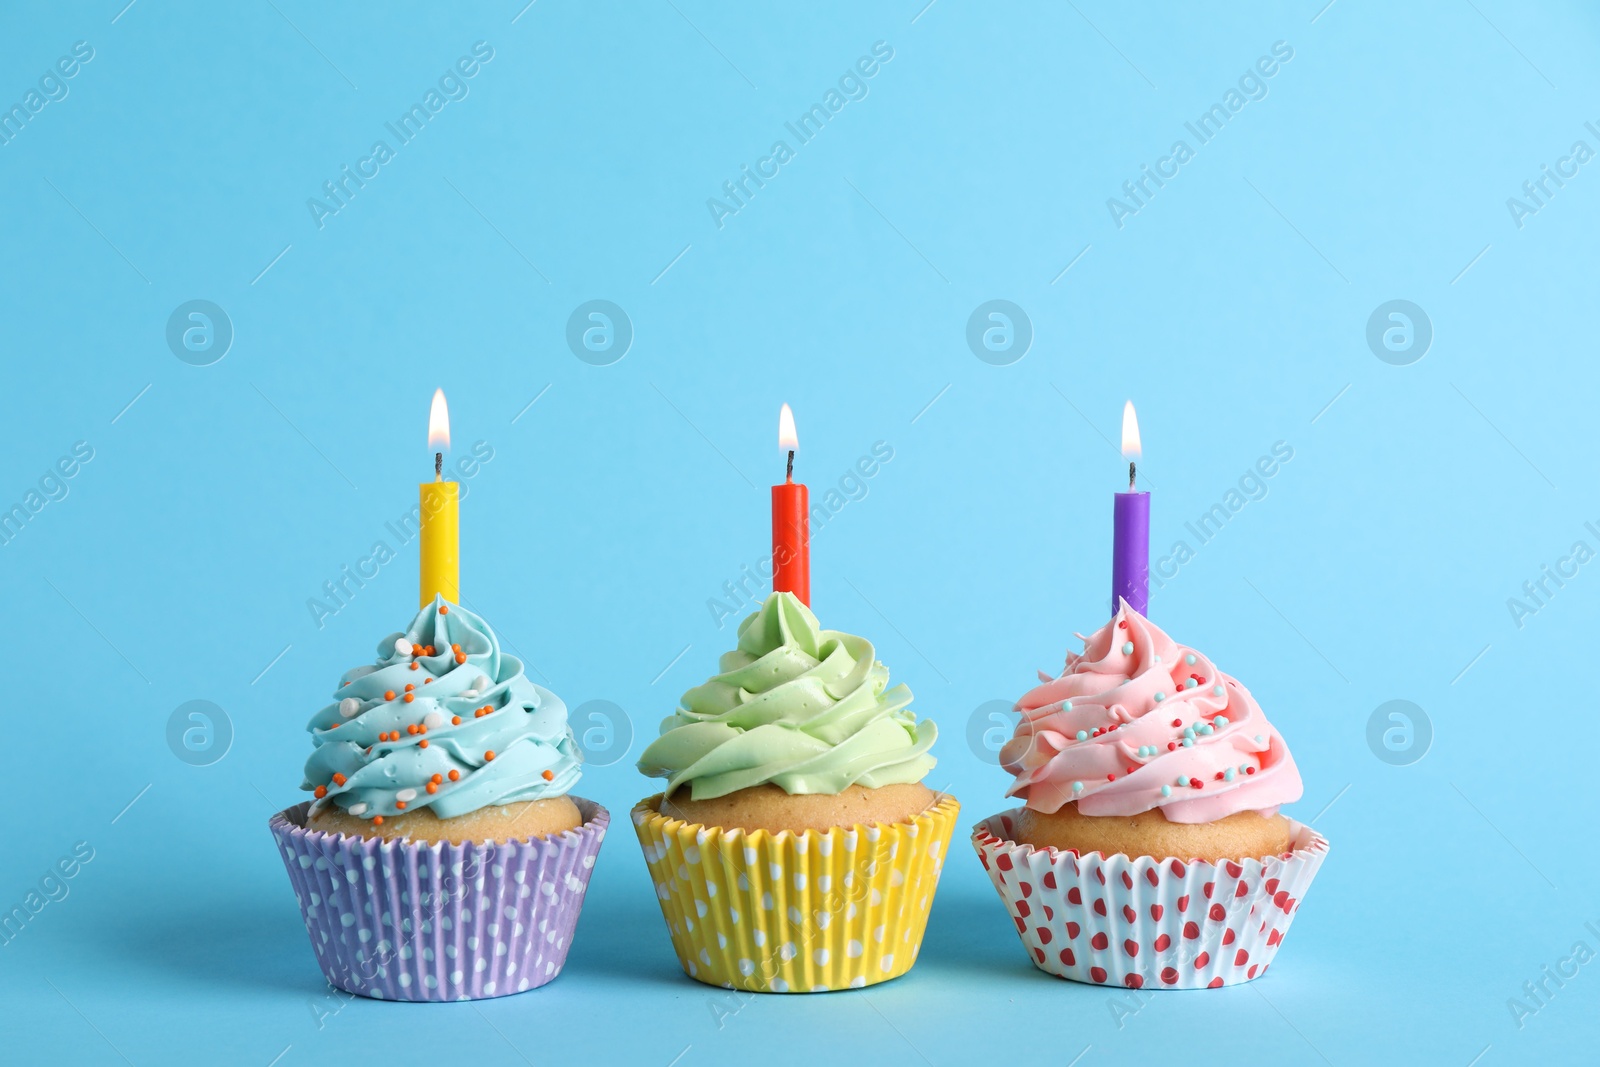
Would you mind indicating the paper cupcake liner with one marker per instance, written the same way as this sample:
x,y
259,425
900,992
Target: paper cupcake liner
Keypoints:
x,y
1146,923
796,913
400,920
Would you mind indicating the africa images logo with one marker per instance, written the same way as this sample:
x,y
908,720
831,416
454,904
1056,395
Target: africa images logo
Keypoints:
x,y
1252,85
852,85
452,86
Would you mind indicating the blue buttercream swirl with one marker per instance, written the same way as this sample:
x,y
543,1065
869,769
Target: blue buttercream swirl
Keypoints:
x,y
525,726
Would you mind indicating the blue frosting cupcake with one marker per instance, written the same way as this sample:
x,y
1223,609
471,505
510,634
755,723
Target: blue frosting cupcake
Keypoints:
x,y
443,737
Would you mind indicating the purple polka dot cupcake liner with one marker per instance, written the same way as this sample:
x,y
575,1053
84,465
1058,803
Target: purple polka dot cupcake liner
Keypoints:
x,y
398,920
1145,923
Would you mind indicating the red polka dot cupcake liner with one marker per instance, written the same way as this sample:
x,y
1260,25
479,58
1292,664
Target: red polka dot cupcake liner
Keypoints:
x,y
402,920
1146,923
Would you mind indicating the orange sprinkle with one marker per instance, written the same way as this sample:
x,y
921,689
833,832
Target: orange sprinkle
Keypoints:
x,y
335,726
409,687
388,694
425,681
432,788
423,743
549,776
377,820
411,728
443,610
400,804
408,698
488,757
460,658
321,791
422,728
455,776
413,664
455,720
455,648
436,779
339,779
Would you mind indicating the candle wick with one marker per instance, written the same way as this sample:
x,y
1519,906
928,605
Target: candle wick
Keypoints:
x,y
438,466
788,474
1133,469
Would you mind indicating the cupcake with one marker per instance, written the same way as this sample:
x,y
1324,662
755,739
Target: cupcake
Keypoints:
x,y
1150,850
442,857
795,848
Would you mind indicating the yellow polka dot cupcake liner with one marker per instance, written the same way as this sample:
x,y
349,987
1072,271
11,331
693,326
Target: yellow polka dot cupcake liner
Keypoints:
x,y
796,913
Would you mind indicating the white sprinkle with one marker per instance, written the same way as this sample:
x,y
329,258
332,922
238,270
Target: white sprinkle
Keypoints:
x,y
434,720
349,706
357,809
406,796
481,683
469,692
402,646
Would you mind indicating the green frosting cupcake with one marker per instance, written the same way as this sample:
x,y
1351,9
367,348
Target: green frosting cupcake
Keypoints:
x,y
806,709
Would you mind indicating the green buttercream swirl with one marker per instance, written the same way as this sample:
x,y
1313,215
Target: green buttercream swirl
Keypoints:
x,y
806,709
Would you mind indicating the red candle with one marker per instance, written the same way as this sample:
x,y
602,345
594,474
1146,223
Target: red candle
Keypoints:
x,y
791,534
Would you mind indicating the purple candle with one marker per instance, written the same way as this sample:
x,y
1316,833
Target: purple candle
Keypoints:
x,y
1130,534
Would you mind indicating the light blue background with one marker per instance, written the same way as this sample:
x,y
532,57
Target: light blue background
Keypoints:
x,y
1232,309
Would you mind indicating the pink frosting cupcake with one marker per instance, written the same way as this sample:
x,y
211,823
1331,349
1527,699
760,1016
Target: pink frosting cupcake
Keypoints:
x,y
1150,851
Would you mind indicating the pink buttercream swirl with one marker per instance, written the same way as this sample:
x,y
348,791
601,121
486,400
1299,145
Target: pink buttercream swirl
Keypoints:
x,y
1136,712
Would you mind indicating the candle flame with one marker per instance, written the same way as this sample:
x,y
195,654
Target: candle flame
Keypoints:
x,y
788,440
1131,449
438,424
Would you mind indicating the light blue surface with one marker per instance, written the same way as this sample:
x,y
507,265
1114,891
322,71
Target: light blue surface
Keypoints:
x,y
1233,308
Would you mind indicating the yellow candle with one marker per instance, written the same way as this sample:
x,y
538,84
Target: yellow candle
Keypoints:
x,y
441,515
441,541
